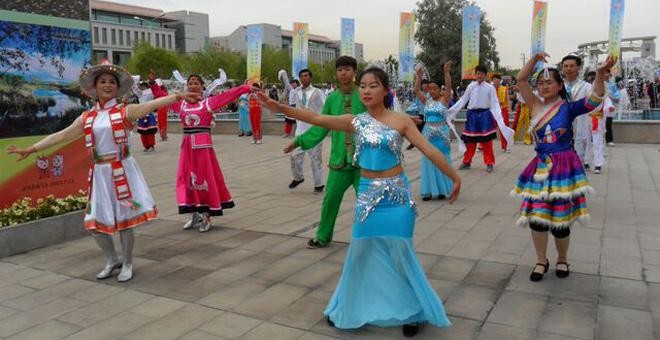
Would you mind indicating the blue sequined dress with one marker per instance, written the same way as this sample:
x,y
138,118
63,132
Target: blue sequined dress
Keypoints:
x,y
432,181
382,282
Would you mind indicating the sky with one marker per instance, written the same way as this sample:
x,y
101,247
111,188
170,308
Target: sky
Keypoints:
x,y
570,22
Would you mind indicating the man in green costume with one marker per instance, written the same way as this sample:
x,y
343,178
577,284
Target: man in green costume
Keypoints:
x,y
342,174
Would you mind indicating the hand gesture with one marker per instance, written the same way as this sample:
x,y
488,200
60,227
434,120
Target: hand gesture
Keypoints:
x,y
268,102
607,64
420,72
540,56
22,152
292,146
455,191
447,66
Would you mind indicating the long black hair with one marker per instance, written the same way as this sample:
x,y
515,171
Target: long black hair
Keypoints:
x,y
384,80
554,74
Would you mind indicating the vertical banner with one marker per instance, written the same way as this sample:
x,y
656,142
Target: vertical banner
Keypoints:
x,y
255,34
406,46
347,37
44,45
470,46
299,48
539,20
616,30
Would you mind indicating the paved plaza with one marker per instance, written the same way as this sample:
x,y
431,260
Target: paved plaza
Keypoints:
x,y
251,276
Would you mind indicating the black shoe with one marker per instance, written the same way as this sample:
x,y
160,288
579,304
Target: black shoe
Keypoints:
x,y
295,183
426,198
249,134
313,244
562,274
536,276
319,189
464,166
586,167
410,147
598,170
330,323
410,330
441,197
489,168
241,134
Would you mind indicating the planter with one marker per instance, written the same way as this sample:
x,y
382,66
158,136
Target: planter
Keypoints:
x,y
37,234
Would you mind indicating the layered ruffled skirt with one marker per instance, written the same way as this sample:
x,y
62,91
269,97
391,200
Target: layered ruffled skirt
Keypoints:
x,y
553,190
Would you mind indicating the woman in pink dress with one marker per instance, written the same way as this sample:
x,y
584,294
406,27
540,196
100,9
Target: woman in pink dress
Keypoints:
x,y
200,185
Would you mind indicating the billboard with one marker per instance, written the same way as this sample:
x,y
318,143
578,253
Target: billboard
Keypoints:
x,y
45,45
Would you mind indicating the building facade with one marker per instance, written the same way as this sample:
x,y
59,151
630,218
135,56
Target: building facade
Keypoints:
x,y
321,49
117,28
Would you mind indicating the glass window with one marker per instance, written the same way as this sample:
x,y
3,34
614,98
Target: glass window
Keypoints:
x,y
135,37
129,20
107,17
157,41
113,36
104,35
121,37
144,36
169,41
96,35
128,38
149,37
162,40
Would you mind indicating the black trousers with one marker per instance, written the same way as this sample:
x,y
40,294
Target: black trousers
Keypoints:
x,y
609,135
557,233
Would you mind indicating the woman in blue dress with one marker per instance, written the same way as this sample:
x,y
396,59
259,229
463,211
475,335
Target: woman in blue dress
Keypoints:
x,y
244,128
432,182
382,282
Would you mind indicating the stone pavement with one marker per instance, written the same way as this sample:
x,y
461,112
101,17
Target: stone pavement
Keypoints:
x,y
252,278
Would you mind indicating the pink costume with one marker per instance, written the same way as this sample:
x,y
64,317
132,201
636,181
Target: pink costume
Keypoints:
x,y
200,186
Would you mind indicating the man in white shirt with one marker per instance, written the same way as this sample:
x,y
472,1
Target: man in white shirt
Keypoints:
x,y
288,122
484,116
310,98
578,89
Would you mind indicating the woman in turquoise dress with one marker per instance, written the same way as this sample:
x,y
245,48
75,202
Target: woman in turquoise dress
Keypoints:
x,y
432,182
382,282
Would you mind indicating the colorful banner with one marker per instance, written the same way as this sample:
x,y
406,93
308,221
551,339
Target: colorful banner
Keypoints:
x,y
45,46
300,48
406,46
347,37
470,46
539,20
255,35
616,30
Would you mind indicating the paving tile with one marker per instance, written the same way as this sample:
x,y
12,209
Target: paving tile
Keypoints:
x,y
112,328
50,330
569,318
271,301
103,309
175,324
624,293
230,325
472,302
518,310
272,332
623,323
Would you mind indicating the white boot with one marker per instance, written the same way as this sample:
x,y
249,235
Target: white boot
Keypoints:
x,y
195,221
205,225
112,261
127,238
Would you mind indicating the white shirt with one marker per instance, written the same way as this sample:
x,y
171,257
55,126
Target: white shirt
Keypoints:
x,y
480,96
578,89
315,98
292,96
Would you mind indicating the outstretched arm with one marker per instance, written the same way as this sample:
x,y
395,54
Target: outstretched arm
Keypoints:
x,y
522,79
342,123
599,83
447,71
415,137
224,98
137,111
68,134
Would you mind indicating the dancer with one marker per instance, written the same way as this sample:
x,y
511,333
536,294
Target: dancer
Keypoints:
x,y
554,184
382,282
147,126
119,198
503,98
521,121
416,109
200,185
310,98
433,183
482,116
161,113
255,117
596,155
577,89
244,128
342,173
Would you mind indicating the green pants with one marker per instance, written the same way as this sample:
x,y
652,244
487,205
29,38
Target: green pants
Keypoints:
x,y
338,182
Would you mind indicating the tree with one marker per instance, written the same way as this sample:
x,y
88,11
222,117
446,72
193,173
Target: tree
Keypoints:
x,y
439,29
206,63
146,57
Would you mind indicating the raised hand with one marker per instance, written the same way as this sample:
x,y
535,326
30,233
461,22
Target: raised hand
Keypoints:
x,y
267,101
420,72
540,56
22,152
608,63
447,66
